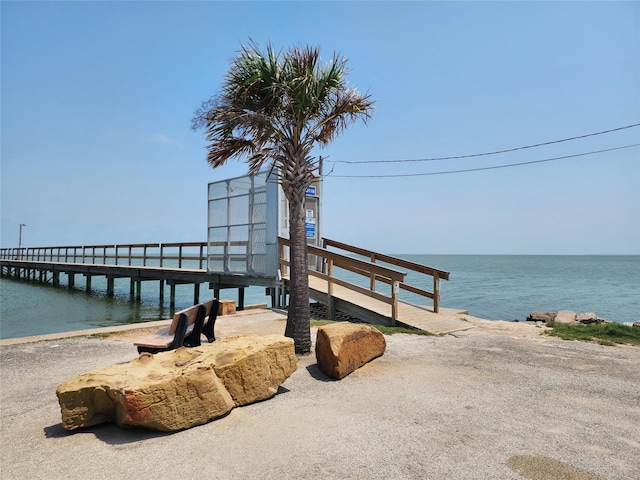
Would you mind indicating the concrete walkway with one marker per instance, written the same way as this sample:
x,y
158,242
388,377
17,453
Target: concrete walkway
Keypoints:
x,y
473,405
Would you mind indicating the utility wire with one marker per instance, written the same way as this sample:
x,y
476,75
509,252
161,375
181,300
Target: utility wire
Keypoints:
x,y
488,153
486,168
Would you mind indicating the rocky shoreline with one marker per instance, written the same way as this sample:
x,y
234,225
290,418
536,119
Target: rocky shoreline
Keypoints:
x,y
319,312
570,317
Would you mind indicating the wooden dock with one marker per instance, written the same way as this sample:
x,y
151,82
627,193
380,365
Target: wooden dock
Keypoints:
x,y
183,263
371,310
49,272
371,304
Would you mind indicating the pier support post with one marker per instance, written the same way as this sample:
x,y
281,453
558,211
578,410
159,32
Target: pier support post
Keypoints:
x,y
196,293
161,292
71,280
172,296
88,288
110,284
283,296
241,298
56,279
138,290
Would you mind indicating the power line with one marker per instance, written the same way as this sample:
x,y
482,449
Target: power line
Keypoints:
x,y
489,153
486,168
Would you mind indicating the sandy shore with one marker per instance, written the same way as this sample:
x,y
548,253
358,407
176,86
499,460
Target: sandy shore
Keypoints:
x,y
498,401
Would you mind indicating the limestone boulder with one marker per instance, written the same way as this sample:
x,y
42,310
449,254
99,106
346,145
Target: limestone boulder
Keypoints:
x,y
343,347
566,316
181,388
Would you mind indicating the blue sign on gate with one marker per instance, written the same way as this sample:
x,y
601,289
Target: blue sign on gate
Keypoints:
x,y
311,191
310,227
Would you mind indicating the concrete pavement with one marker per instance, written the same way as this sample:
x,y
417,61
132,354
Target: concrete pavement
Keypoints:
x,y
473,405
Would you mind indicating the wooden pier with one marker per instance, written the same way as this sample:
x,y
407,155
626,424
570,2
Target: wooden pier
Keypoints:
x,y
371,303
168,264
184,263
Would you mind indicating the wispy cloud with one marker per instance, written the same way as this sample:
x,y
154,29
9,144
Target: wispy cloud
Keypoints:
x,y
162,139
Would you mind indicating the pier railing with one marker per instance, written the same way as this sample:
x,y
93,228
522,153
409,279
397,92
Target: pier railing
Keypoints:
x,y
181,254
191,257
382,271
374,257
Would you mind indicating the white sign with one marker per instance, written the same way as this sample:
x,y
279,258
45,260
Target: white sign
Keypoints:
x,y
310,214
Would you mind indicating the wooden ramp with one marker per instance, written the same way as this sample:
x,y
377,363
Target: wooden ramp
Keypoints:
x,y
375,311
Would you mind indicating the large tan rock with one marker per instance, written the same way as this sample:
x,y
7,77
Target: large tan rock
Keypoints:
x,y
565,316
181,388
344,347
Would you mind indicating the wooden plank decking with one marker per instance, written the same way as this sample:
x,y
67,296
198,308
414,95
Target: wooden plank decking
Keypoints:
x,y
375,311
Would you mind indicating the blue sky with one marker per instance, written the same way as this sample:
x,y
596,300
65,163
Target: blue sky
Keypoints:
x,y
97,100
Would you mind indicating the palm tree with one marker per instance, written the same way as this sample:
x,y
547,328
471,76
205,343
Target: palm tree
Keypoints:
x,y
273,108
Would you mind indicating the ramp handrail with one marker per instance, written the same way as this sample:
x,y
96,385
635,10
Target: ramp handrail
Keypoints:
x,y
332,259
399,262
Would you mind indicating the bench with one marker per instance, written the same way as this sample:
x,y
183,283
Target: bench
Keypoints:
x,y
213,308
185,329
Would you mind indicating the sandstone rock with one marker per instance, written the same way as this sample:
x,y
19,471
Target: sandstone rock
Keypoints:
x,y
254,369
587,318
344,347
226,307
636,324
565,316
181,388
541,317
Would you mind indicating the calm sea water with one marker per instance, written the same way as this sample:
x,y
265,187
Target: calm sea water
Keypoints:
x,y
488,286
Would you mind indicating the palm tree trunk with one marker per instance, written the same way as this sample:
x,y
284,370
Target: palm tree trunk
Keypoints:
x,y
298,318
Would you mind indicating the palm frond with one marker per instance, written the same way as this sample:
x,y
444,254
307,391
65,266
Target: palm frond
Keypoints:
x,y
275,106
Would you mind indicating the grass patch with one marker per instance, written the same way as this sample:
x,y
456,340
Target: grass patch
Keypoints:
x,y
101,335
384,330
319,323
604,334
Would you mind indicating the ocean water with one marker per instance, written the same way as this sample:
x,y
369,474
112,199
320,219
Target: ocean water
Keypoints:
x,y
495,287
509,287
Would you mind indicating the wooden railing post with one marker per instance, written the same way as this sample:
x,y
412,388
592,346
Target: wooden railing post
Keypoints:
x,y
394,302
331,305
436,292
372,276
